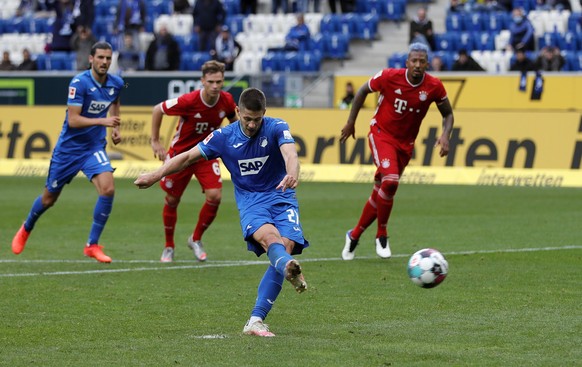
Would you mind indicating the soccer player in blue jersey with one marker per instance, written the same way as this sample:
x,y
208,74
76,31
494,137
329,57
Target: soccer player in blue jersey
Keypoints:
x,y
81,147
260,154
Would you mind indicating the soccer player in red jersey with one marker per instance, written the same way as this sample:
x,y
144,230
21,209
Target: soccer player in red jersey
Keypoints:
x,y
405,96
201,112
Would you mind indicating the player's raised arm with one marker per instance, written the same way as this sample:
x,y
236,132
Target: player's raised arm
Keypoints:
x,y
173,165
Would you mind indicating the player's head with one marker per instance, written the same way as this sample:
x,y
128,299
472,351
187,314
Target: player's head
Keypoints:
x,y
251,108
212,78
100,58
417,62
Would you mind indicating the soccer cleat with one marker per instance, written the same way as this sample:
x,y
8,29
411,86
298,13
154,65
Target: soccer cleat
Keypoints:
x,y
96,252
349,250
257,328
294,276
198,249
383,247
19,240
167,255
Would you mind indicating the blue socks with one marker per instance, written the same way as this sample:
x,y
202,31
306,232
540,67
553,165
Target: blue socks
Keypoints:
x,y
35,213
278,257
100,215
269,288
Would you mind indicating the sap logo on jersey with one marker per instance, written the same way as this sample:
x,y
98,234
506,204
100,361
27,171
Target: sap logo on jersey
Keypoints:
x,y
251,166
97,106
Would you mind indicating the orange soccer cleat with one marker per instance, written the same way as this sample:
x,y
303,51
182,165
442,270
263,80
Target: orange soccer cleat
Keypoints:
x,y
19,240
95,252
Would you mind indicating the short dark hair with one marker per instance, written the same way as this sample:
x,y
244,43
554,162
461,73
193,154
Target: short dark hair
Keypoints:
x,y
252,99
101,46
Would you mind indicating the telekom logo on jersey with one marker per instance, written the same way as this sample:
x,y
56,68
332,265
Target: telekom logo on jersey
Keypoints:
x,y
400,105
251,166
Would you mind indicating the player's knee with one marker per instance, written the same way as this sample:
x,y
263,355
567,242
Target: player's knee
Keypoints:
x,y
107,191
389,187
172,201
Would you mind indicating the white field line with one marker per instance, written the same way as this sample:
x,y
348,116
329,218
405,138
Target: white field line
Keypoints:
x,y
193,264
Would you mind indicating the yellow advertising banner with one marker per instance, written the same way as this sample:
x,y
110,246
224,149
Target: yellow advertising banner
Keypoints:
x,y
493,92
494,139
130,169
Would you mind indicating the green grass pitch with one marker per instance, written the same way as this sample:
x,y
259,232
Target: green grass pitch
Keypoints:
x,y
512,297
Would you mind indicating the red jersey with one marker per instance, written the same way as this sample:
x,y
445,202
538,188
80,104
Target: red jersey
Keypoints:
x,y
402,105
197,118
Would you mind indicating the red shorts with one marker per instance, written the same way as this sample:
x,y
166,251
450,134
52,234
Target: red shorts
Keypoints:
x,y
388,157
206,172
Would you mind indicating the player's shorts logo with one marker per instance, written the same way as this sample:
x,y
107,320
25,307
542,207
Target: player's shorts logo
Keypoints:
x,y
251,166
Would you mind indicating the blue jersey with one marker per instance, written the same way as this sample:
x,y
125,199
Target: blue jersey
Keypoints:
x,y
255,163
94,100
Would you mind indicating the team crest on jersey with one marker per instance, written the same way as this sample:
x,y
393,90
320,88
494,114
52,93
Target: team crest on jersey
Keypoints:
x,y
54,184
385,163
72,92
221,114
422,95
287,135
263,141
168,183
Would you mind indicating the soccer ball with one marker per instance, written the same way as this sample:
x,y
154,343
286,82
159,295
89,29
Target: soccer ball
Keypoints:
x,y
427,268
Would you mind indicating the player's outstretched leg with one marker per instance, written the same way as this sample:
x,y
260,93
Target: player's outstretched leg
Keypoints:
x,y
96,252
268,291
198,248
287,266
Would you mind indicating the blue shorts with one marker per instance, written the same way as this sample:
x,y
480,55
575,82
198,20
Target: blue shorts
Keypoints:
x,y
283,215
65,166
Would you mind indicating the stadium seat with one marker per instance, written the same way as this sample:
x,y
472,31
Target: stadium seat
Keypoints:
x,y
336,45
235,23
484,41
192,61
574,24
448,58
308,61
455,22
394,10
496,21
271,62
473,22
569,41
289,62
397,60
330,23
548,39
348,24
465,41
367,27
446,41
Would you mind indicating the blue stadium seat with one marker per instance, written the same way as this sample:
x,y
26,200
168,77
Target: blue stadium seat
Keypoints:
x,y
232,7
574,24
336,45
289,62
187,43
316,43
495,21
445,41
455,22
397,60
308,61
192,61
573,60
367,27
42,61
484,41
235,23
465,40
394,10
61,60
447,57
473,22
348,24
548,39
271,62
330,23
569,41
